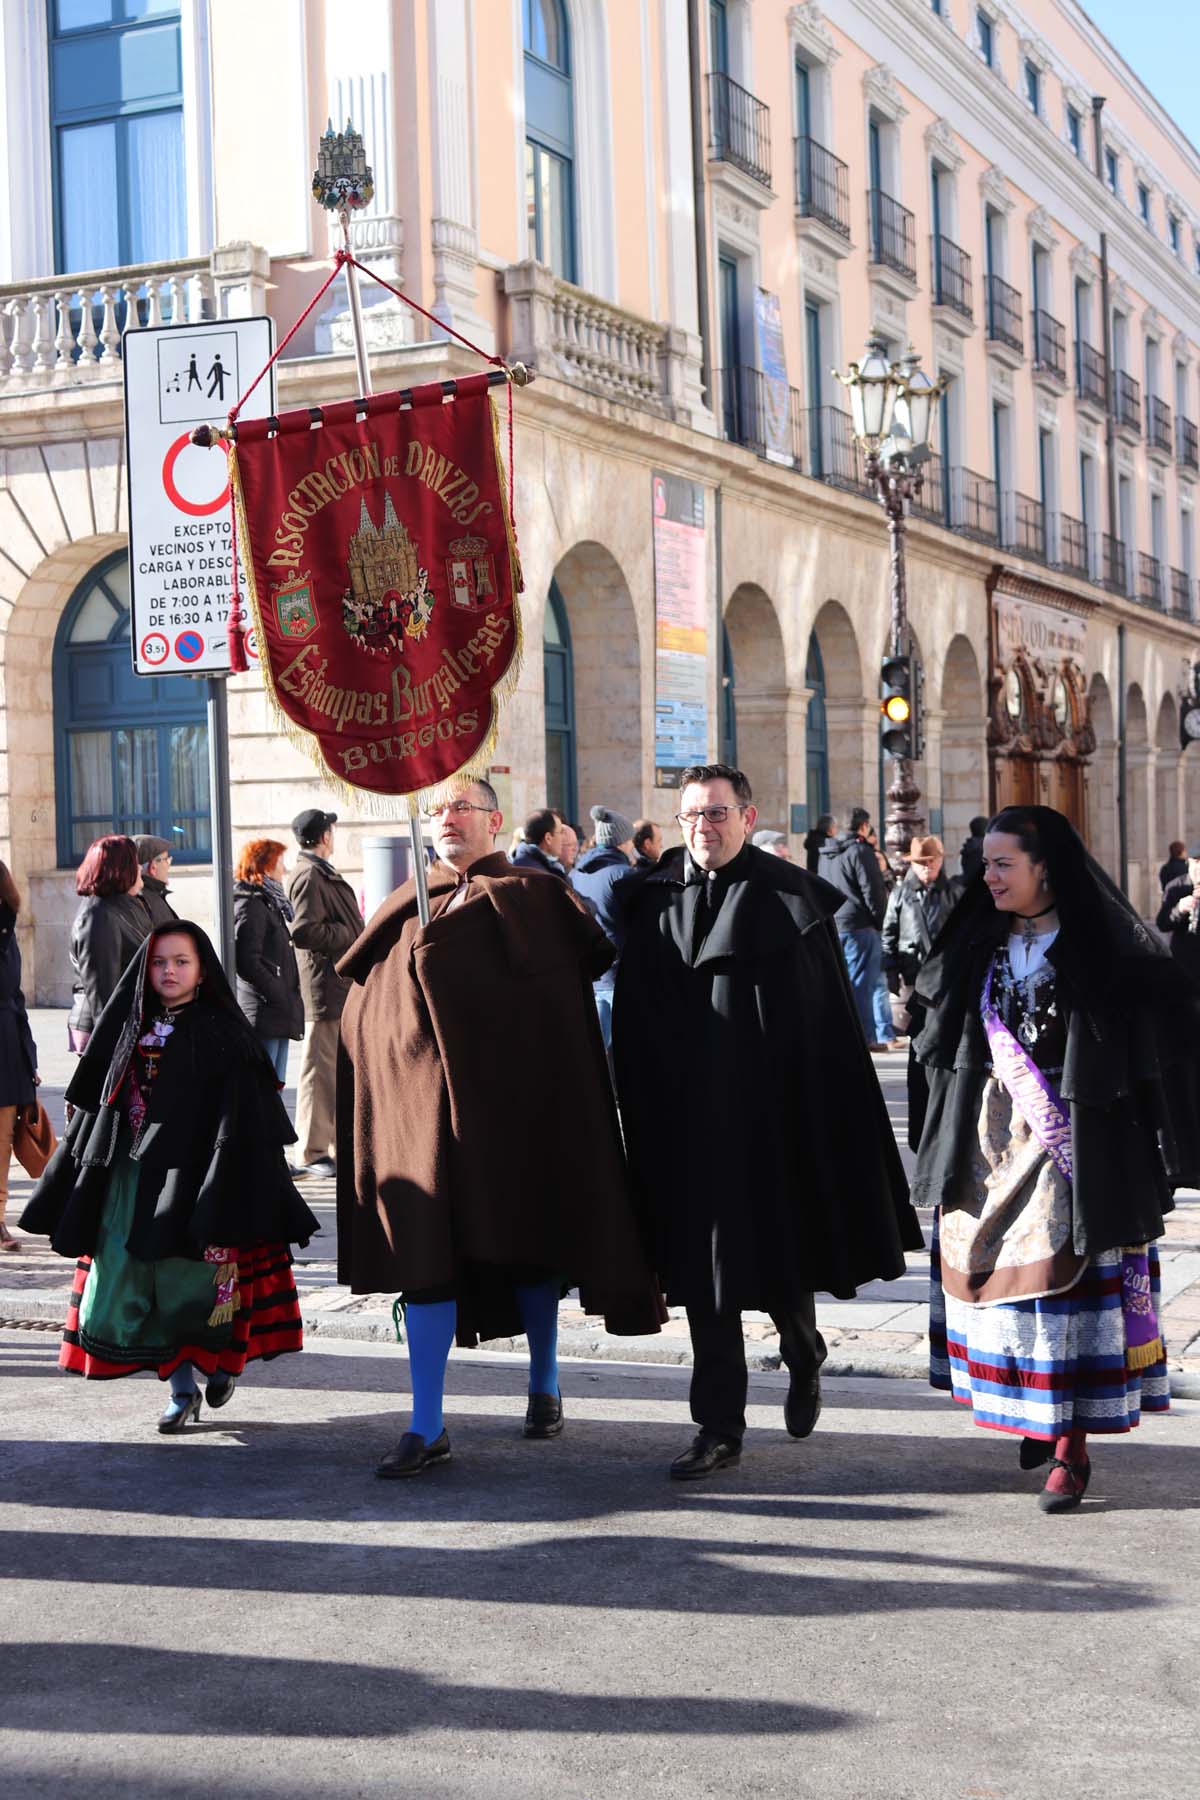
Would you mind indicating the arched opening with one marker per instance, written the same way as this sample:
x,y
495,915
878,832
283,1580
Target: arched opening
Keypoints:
x,y
845,712
964,743
1101,780
599,624
1137,805
130,752
728,734
1168,806
558,680
816,736
760,700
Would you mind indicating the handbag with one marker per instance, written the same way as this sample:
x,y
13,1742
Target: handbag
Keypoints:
x,y
34,1141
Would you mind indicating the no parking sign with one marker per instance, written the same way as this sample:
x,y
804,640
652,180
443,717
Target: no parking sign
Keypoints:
x,y
177,377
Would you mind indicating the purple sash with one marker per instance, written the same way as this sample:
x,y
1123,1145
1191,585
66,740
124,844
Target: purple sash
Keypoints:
x,y
1043,1110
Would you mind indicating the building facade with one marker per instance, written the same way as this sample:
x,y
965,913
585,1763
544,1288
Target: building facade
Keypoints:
x,y
685,214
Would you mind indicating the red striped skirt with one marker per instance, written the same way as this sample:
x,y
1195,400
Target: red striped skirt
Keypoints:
x,y
266,1324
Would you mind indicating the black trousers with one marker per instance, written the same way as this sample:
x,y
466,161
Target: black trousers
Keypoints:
x,y
719,1377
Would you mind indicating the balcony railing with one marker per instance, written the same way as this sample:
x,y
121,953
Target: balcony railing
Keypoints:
x,y
739,128
1150,580
1181,593
951,276
1068,545
893,234
1004,314
1049,345
1187,446
1127,401
1158,424
744,401
932,501
822,186
826,449
1091,374
1023,525
67,329
973,508
1113,565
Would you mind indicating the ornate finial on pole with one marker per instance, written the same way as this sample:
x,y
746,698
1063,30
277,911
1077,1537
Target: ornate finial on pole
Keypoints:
x,y
343,181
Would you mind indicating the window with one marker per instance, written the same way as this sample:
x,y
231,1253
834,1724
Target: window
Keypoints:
x,y
1112,171
1087,481
814,364
1144,202
558,686
718,37
1033,85
549,138
816,736
730,324
131,752
803,100
116,124
936,6
1075,130
1173,232
987,38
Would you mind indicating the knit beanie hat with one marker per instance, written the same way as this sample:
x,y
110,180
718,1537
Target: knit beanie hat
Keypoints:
x,y
612,828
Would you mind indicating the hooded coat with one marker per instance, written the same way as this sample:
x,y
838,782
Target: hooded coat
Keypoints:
x,y
210,1156
598,878
473,1032
1131,1076
756,1131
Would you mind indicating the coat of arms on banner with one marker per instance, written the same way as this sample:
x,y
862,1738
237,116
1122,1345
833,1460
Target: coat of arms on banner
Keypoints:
x,y
294,607
471,572
389,597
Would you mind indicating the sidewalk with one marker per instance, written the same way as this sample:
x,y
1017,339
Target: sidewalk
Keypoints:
x,y
882,1332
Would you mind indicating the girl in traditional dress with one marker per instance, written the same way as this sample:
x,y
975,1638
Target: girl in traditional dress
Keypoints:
x,y
1060,1048
170,1186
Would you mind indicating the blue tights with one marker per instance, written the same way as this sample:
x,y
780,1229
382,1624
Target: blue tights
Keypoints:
x,y
430,1328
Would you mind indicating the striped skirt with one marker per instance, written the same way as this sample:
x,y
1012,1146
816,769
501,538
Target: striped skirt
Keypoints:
x,y
1045,1367
266,1324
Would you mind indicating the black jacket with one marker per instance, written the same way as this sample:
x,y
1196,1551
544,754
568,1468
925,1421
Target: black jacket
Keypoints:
x,y
851,866
105,935
778,1174
528,856
1172,869
915,914
970,857
18,1053
268,975
1184,940
327,921
154,898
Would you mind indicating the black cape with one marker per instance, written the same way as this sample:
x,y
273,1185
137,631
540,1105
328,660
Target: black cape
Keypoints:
x,y
1131,1076
757,1134
211,1167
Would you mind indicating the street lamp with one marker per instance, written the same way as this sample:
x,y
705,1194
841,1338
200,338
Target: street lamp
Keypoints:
x,y
893,416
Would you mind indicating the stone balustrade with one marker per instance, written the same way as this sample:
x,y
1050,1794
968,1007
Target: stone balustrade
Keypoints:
x,y
66,330
590,343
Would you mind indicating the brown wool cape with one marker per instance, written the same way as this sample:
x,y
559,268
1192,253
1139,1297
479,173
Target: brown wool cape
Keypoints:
x,y
476,1128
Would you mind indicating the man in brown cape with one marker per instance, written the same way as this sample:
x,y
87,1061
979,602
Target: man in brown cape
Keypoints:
x,y
475,1030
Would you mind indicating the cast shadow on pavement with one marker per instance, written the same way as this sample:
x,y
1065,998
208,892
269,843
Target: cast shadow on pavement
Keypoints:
x,y
120,1689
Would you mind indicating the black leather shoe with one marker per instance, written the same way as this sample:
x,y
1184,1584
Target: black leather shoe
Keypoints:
x,y
707,1454
543,1416
411,1455
180,1408
219,1392
1035,1452
802,1408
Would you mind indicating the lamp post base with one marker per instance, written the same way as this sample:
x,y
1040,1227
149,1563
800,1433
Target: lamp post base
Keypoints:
x,y
905,820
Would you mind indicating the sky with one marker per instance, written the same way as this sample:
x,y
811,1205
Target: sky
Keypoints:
x,y
1156,39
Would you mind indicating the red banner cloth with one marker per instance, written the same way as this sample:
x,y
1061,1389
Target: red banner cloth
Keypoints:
x,y
383,577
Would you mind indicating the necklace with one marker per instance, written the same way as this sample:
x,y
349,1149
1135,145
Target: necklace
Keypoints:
x,y
1028,935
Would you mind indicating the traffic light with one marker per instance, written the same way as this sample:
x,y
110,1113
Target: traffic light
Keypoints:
x,y
898,707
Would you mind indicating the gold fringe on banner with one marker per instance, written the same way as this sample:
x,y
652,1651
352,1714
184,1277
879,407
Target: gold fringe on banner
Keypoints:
x,y
376,805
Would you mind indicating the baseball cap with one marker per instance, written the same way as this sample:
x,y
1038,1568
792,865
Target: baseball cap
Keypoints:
x,y
311,825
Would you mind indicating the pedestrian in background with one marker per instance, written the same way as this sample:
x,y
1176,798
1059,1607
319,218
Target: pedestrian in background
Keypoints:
x,y
568,853
970,857
918,907
1063,1057
541,841
154,860
737,1052
108,927
849,864
647,843
268,975
1179,915
170,1191
774,843
815,840
1175,866
19,1076
325,922
597,880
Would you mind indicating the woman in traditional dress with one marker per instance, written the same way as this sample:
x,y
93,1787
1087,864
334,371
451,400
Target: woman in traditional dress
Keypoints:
x,y
1060,1046
170,1186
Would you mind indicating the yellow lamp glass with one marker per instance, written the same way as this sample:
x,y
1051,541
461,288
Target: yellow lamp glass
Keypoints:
x,y
898,709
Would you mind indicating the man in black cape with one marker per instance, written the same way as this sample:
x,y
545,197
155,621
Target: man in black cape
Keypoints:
x,y
756,1131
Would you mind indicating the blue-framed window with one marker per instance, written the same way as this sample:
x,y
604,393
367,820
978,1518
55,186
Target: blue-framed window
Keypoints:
x,y
816,735
1075,130
1173,232
130,751
1112,171
116,126
1144,202
1033,85
549,137
558,686
986,38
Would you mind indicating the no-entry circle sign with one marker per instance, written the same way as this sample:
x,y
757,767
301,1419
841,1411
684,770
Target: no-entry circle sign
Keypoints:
x,y
199,509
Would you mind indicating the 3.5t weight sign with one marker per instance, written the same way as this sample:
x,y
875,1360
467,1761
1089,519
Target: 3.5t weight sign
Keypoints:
x,y
177,377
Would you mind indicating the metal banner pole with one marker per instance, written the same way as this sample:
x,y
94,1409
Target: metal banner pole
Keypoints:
x,y
222,820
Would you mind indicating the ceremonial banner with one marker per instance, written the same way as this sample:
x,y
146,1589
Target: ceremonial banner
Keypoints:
x,y
383,577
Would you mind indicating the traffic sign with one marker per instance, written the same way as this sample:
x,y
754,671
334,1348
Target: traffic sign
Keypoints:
x,y
177,377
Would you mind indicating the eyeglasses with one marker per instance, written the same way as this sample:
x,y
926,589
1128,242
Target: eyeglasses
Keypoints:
x,y
716,815
458,809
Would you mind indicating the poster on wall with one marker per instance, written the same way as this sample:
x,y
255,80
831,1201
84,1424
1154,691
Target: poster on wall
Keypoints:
x,y
680,628
772,360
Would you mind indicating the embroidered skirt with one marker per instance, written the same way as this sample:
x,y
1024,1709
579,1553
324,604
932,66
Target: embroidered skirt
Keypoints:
x,y
125,1316
1043,1367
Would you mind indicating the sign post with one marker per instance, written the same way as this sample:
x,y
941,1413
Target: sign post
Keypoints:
x,y
177,377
